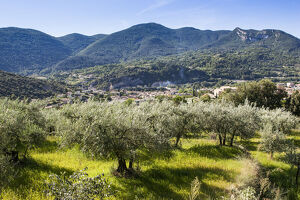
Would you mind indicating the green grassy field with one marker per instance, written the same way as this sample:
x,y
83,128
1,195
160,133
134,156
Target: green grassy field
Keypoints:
x,y
161,176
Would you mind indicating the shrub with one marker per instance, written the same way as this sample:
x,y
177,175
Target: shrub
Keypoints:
x,y
78,186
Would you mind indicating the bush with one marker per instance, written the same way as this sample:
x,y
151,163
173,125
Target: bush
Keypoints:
x,y
78,186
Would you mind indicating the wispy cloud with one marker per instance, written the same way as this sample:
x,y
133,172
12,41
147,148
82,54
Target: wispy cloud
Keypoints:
x,y
157,4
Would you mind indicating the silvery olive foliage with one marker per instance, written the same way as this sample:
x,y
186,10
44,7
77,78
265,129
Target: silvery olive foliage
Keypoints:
x,y
276,124
78,186
277,120
228,121
183,120
51,117
273,142
21,127
120,130
113,129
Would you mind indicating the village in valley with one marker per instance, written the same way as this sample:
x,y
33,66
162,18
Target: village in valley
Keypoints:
x,y
85,91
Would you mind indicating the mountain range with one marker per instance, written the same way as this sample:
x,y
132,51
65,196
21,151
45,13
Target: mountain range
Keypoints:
x,y
27,51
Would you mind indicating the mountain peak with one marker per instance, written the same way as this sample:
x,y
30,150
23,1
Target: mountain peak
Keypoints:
x,y
148,26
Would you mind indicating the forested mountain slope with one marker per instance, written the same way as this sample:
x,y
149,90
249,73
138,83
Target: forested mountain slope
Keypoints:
x,y
26,49
141,41
77,42
16,86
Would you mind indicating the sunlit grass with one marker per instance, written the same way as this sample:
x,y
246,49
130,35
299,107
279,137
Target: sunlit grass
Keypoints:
x,y
280,173
166,176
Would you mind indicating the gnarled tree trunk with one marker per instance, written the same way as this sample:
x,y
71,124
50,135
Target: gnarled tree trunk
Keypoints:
x,y
220,140
224,140
231,140
297,175
130,163
121,165
177,140
13,155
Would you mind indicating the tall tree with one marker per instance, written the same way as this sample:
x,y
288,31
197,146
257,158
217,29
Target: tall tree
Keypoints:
x,y
293,103
263,93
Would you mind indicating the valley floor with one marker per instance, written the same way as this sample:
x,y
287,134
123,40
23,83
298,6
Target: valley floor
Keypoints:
x,y
166,176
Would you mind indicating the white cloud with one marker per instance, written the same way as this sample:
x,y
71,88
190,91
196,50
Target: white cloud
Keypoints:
x,y
156,5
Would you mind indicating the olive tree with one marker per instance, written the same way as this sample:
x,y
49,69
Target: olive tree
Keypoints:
x,y
227,120
276,124
293,158
21,128
183,120
245,121
218,120
112,129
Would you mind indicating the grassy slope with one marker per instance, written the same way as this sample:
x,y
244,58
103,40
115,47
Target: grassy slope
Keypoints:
x,y
280,173
165,176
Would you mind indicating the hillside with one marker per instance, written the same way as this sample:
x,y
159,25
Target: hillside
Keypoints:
x,y
77,42
23,50
154,40
273,39
142,41
12,85
195,66
27,51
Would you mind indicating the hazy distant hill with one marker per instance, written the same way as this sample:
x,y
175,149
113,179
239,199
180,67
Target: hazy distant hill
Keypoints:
x,y
12,85
26,49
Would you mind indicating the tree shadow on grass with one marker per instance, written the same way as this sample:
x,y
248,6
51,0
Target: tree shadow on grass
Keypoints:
x,y
47,146
296,134
32,173
250,145
165,182
148,156
282,177
215,152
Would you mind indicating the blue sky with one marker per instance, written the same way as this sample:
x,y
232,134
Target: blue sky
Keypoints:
x,y
60,17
